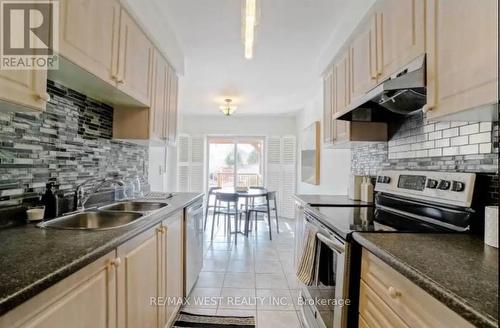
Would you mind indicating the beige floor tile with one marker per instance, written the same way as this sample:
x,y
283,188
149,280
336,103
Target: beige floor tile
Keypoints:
x,y
204,298
277,319
244,265
271,281
239,280
266,266
210,279
274,299
238,298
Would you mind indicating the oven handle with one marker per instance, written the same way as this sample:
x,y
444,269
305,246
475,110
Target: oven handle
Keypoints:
x,y
330,243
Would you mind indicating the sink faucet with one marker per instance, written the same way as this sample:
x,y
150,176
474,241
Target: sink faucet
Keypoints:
x,y
80,197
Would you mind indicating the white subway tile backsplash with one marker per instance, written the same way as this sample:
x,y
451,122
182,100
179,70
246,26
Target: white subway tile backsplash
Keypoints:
x,y
450,151
455,124
469,149
485,148
435,152
458,141
469,129
442,125
442,143
428,145
435,135
422,153
448,133
428,128
480,138
485,126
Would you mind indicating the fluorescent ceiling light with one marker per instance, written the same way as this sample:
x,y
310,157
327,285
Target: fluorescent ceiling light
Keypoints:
x,y
249,21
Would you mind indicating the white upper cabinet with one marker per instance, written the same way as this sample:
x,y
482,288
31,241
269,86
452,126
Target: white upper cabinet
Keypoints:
x,y
24,88
363,52
135,61
400,34
462,60
89,35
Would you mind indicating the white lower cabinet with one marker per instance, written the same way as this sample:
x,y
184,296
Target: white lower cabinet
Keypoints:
x,y
138,278
87,298
126,288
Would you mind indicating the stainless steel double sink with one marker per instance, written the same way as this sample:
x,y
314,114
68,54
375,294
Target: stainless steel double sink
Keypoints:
x,y
111,216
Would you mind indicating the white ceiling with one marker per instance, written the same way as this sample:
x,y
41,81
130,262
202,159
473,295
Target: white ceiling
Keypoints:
x,y
292,37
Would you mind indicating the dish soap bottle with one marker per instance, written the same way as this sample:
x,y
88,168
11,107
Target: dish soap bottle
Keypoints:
x,y
367,190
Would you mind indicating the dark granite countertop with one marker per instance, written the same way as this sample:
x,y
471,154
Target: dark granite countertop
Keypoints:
x,y
329,200
33,259
457,269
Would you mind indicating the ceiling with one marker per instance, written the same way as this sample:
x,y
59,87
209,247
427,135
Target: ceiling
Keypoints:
x,y
283,75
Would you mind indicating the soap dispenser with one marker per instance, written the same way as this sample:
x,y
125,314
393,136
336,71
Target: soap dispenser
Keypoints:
x,y
49,199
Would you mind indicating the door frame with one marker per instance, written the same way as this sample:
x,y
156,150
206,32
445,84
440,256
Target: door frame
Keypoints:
x,y
235,139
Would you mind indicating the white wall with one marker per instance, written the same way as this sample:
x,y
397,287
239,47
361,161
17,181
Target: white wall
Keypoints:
x,y
335,164
238,125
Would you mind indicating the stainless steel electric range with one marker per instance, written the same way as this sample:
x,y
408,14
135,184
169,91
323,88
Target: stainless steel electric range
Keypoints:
x,y
405,201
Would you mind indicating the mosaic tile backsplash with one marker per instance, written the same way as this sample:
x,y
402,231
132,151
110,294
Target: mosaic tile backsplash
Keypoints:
x,y
417,144
70,142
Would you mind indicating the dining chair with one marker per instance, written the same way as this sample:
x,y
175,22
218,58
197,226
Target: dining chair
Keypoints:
x,y
227,205
211,192
270,205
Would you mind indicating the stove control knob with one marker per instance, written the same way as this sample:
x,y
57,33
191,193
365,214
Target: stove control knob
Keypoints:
x,y
432,184
444,185
380,179
387,179
458,186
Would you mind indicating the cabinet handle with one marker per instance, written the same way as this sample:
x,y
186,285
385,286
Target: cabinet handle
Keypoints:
x,y
44,96
393,292
426,108
161,230
116,262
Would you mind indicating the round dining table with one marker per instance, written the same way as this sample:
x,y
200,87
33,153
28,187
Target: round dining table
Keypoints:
x,y
246,195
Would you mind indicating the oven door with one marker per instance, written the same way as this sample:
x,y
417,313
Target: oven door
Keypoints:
x,y
324,300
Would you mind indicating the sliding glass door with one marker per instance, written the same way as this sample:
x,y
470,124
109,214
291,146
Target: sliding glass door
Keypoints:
x,y
235,162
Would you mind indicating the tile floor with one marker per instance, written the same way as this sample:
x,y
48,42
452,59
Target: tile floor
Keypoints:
x,y
255,277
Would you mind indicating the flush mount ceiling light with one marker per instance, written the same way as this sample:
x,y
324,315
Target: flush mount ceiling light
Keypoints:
x,y
249,22
228,109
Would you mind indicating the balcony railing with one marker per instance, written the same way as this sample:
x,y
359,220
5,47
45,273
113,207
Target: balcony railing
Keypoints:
x,y
243,180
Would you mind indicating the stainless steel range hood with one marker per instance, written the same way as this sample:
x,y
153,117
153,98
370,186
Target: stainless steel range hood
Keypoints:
x,y
404,93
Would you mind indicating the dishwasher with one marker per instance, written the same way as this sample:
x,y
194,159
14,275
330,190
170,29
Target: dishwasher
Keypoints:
x,y
193,244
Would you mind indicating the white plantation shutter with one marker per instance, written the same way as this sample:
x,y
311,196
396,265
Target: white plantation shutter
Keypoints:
x,y
190,163
288,172
196,165
280,175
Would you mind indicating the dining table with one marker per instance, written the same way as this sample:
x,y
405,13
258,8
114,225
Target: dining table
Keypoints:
x,y
251,193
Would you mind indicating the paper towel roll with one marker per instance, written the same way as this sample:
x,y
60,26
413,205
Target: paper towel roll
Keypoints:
x,y
491,225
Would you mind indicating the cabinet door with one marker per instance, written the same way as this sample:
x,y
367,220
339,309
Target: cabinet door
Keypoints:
x,y
172,108
24,88
328,107
341,83
363,59
134,61
173,264
342,97
401,34
87,298
462,67
139,280
89,35
158,111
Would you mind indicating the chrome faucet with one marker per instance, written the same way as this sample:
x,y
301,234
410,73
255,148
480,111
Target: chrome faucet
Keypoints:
x,y
80,197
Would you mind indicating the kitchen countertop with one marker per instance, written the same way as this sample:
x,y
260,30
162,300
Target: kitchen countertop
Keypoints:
x,y
457,269
329,200
33,259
